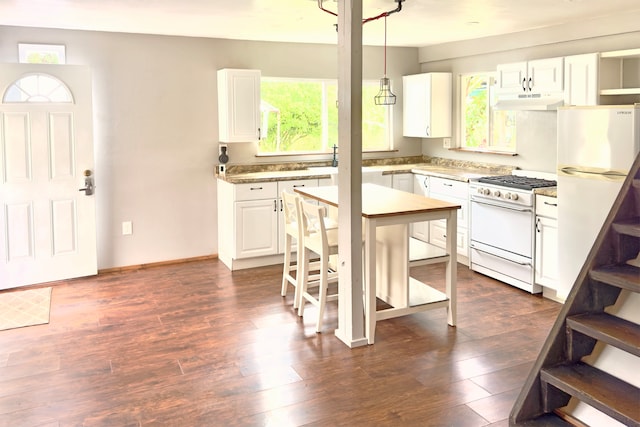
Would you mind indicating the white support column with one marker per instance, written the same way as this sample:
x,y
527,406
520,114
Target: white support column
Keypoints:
x,y
350,300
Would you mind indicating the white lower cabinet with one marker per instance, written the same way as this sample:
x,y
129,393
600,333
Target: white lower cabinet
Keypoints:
x,y
546,242
402,181
420,230
251,223
454,192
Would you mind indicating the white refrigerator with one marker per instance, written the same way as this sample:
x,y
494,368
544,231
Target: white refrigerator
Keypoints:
x,y
596,147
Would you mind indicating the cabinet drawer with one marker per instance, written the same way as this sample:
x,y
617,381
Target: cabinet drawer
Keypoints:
x,y
547,206
449,187
256,191
290,186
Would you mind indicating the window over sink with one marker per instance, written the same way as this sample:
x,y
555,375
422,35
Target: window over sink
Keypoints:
x,y
300,116
483,128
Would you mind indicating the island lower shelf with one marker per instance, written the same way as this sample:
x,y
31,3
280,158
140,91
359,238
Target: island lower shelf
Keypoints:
x,y
422,297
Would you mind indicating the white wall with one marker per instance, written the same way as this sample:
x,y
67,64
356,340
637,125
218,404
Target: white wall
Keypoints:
x,y
155,128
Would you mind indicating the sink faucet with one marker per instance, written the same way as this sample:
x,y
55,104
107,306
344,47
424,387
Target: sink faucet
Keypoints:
x,y
334,162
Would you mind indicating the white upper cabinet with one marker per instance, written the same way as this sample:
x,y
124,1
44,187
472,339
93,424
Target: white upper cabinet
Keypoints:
x,y
238,105
581,79
541,76
426,105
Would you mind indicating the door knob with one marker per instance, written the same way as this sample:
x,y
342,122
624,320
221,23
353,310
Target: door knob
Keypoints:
x,y
88,183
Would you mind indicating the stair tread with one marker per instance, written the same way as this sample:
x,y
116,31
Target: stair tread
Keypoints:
x,y
546,420
623,276
630,226
610,329
610,395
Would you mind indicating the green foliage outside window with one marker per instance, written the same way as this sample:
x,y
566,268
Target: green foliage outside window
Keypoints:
x,y
482,127
302,117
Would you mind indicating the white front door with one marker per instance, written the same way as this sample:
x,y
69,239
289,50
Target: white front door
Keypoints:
x,y
47,225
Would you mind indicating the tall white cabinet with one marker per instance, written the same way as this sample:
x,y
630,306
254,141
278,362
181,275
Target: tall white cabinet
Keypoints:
x,y
581,79
426,105
238,105
546,242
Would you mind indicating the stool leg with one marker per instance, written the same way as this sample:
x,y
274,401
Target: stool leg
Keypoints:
x,y
286,268
322,290
298,295
301,288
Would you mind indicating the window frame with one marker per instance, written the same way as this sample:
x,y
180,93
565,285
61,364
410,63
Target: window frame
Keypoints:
x,y
492,147
327,144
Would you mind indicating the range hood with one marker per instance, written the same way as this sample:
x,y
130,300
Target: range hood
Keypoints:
x,y
534,102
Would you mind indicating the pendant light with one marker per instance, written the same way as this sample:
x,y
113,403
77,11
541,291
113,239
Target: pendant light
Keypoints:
x,y
385,96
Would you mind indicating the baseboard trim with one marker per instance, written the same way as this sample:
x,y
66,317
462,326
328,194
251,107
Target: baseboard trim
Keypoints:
x,y
156,264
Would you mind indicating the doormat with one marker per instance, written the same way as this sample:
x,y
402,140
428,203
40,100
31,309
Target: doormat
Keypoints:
x,y
24,308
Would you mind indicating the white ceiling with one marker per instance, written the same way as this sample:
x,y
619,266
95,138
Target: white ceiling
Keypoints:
x,y
420,23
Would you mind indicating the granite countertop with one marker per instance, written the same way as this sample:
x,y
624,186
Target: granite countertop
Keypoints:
x,y
547,191
444,168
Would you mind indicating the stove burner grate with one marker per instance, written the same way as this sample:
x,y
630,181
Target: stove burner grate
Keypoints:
x,y
517,181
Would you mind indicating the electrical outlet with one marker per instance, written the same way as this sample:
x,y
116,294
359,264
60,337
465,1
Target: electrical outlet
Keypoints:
x,y
127,228
446,142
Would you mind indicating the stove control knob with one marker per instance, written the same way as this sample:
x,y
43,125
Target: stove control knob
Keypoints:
x,y
486,191
496,193
514,196
479,190
507,196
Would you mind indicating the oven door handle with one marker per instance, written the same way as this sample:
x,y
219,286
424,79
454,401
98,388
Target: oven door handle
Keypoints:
x,y
496,205
501,257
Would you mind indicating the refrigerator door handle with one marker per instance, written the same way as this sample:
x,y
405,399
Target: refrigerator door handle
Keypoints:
x,y
570,170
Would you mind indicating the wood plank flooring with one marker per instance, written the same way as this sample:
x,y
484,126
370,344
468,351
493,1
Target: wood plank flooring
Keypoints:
x,y
196,345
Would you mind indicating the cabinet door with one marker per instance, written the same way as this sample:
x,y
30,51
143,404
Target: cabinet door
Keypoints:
x,y
238,105
546,262
420,230
426,101
256,224
545,75
512,77
402,182
416,90
581,79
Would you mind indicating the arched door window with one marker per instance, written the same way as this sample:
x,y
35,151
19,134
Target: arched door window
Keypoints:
x,y
38,88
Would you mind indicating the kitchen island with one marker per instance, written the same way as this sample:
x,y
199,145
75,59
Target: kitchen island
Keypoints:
x,y
387,214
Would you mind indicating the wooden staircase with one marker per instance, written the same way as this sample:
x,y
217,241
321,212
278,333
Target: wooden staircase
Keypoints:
x,y
563,374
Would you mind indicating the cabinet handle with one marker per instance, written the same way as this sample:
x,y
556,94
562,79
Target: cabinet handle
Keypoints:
x,y
275,206
281,205
298,185
550,204
524,84
259,134
427,131
255,188
530,84
538,225
447,184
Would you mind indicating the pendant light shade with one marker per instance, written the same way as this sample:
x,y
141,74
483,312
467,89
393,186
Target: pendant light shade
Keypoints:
x,y
385,96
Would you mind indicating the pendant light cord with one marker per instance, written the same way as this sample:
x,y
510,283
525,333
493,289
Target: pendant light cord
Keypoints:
x,y
385,45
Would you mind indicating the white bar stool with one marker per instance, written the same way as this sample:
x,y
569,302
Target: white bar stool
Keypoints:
x,y
317,239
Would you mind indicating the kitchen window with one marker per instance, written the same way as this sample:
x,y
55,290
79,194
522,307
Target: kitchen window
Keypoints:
x,y
301,116
483,128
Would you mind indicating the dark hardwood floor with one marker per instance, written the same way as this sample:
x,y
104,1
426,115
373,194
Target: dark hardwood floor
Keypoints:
x,y
196,345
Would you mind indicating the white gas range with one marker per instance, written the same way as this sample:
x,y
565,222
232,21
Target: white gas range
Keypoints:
x,y
502,226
